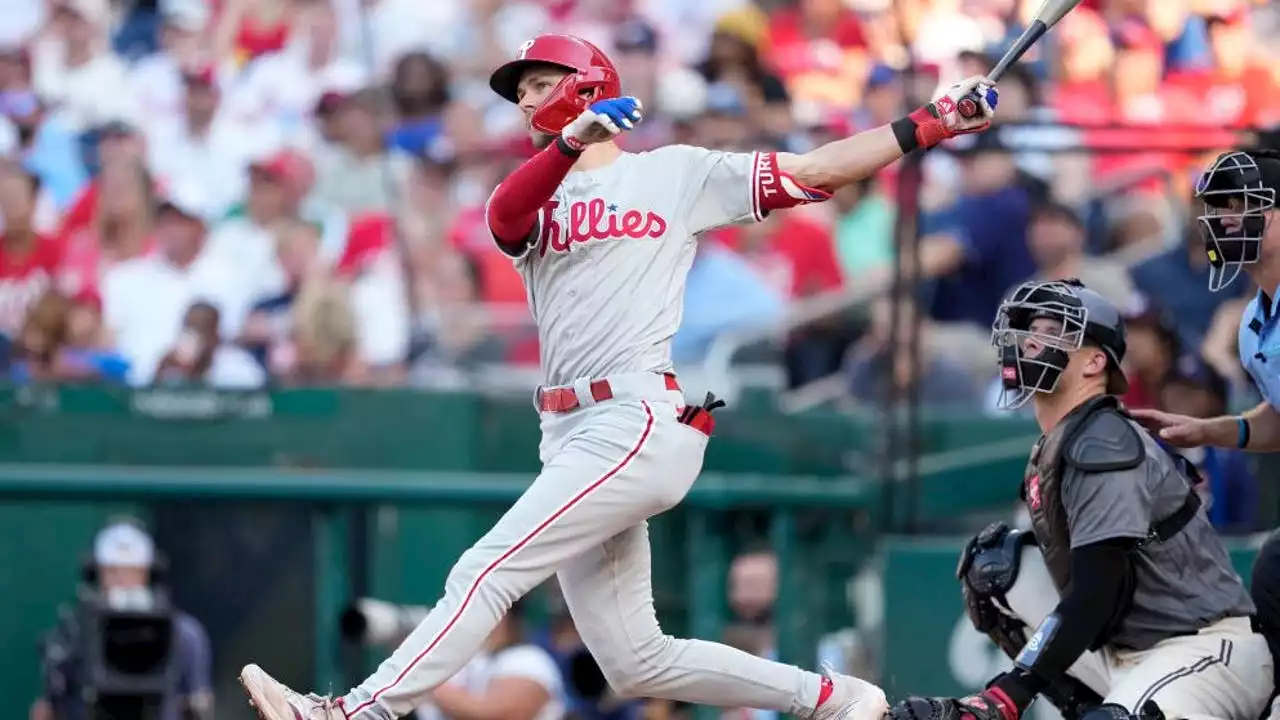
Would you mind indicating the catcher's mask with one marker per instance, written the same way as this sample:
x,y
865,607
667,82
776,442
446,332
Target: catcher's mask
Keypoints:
x,y
1033,355
1238,191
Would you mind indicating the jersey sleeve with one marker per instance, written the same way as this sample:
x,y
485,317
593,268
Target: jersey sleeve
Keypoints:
x,y
733,188
507,249
1106,505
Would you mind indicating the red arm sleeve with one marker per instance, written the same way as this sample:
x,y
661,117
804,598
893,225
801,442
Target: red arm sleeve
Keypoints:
x,y
513,210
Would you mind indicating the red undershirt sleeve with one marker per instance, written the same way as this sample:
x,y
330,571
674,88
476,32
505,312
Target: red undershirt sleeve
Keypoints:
x,y
512,211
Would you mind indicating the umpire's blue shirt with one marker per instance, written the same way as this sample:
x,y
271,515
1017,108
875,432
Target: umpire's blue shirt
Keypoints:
x,y
1259,344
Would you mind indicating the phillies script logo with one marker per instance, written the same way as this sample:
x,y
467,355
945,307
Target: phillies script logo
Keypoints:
x,y
1033,492
593,220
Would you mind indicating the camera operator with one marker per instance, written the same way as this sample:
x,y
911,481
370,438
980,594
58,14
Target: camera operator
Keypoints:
x,y
125,652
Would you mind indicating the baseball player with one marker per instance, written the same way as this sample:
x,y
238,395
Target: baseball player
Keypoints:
x,y
1136,609
1239,195
604,240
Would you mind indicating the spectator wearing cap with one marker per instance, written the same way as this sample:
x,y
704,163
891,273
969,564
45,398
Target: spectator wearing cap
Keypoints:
x,y
883,98
358,173
75,70
977,248
125,577
203,145
725,124
1230,490
159,79
43,140
636,53
1057,237
29,260
734,58
280,89
145,299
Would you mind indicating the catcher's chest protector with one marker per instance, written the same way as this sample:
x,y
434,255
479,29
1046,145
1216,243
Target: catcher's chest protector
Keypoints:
x,y
1041,491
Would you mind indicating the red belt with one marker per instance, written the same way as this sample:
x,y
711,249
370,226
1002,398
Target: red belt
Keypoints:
x,y
564,399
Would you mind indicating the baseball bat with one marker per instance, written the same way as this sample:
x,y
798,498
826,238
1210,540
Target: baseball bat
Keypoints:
x,y
1045,18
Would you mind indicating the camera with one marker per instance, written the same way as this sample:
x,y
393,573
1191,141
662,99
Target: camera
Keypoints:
x,y
378,623
104,661
115,653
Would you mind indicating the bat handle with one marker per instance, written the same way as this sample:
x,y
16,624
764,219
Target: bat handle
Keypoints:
x,y
970,106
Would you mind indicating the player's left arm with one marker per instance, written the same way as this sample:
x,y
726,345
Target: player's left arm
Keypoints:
x,y
843,162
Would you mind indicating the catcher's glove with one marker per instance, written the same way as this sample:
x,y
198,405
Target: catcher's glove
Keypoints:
x,y
988,705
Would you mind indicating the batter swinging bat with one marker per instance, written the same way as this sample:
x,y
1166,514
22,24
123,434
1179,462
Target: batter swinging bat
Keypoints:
x,y
1046,17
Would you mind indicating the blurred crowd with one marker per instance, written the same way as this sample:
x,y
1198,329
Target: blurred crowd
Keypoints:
x,y
250,192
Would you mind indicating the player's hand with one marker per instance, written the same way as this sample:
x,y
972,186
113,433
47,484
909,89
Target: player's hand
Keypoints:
x,y
1181,431
947,103
604,120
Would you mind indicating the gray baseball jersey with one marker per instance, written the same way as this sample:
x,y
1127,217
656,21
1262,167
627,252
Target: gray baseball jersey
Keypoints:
x,y
606,276
1183,583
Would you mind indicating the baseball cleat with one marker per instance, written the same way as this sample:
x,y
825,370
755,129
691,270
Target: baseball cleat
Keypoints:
x,y
851,699
275,701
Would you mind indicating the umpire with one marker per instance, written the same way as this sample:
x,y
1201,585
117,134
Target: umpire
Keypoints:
x,y
1239,194
1136,609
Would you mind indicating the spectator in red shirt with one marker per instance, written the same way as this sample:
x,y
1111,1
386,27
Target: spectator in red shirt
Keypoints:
x,y
1237,90
795,256
120,229
29,261
1085,55
817,47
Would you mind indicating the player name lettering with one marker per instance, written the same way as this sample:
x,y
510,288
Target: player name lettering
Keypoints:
x,y
767,176
593,220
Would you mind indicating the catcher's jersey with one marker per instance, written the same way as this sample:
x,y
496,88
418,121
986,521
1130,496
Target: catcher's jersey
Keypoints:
x,y
606,276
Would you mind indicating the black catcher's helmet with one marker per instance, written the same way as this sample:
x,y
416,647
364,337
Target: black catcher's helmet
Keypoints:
x,y
1238,191
1083,316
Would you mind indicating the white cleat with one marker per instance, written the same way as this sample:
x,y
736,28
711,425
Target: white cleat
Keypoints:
x,y
851,699
275,701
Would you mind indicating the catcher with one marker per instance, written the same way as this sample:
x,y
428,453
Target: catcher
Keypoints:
x,y
1136,610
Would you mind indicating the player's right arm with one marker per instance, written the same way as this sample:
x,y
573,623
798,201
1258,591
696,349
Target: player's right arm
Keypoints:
x,y
846,161
512,210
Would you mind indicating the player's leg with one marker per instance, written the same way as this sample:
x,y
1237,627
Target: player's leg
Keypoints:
x,y
1223,672
609,593
586,492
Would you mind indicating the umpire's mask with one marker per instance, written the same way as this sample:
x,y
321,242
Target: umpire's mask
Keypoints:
x,y
1032,360
1237,202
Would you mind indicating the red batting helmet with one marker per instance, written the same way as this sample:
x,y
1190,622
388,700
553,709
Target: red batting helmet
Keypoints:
x,y
591,77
